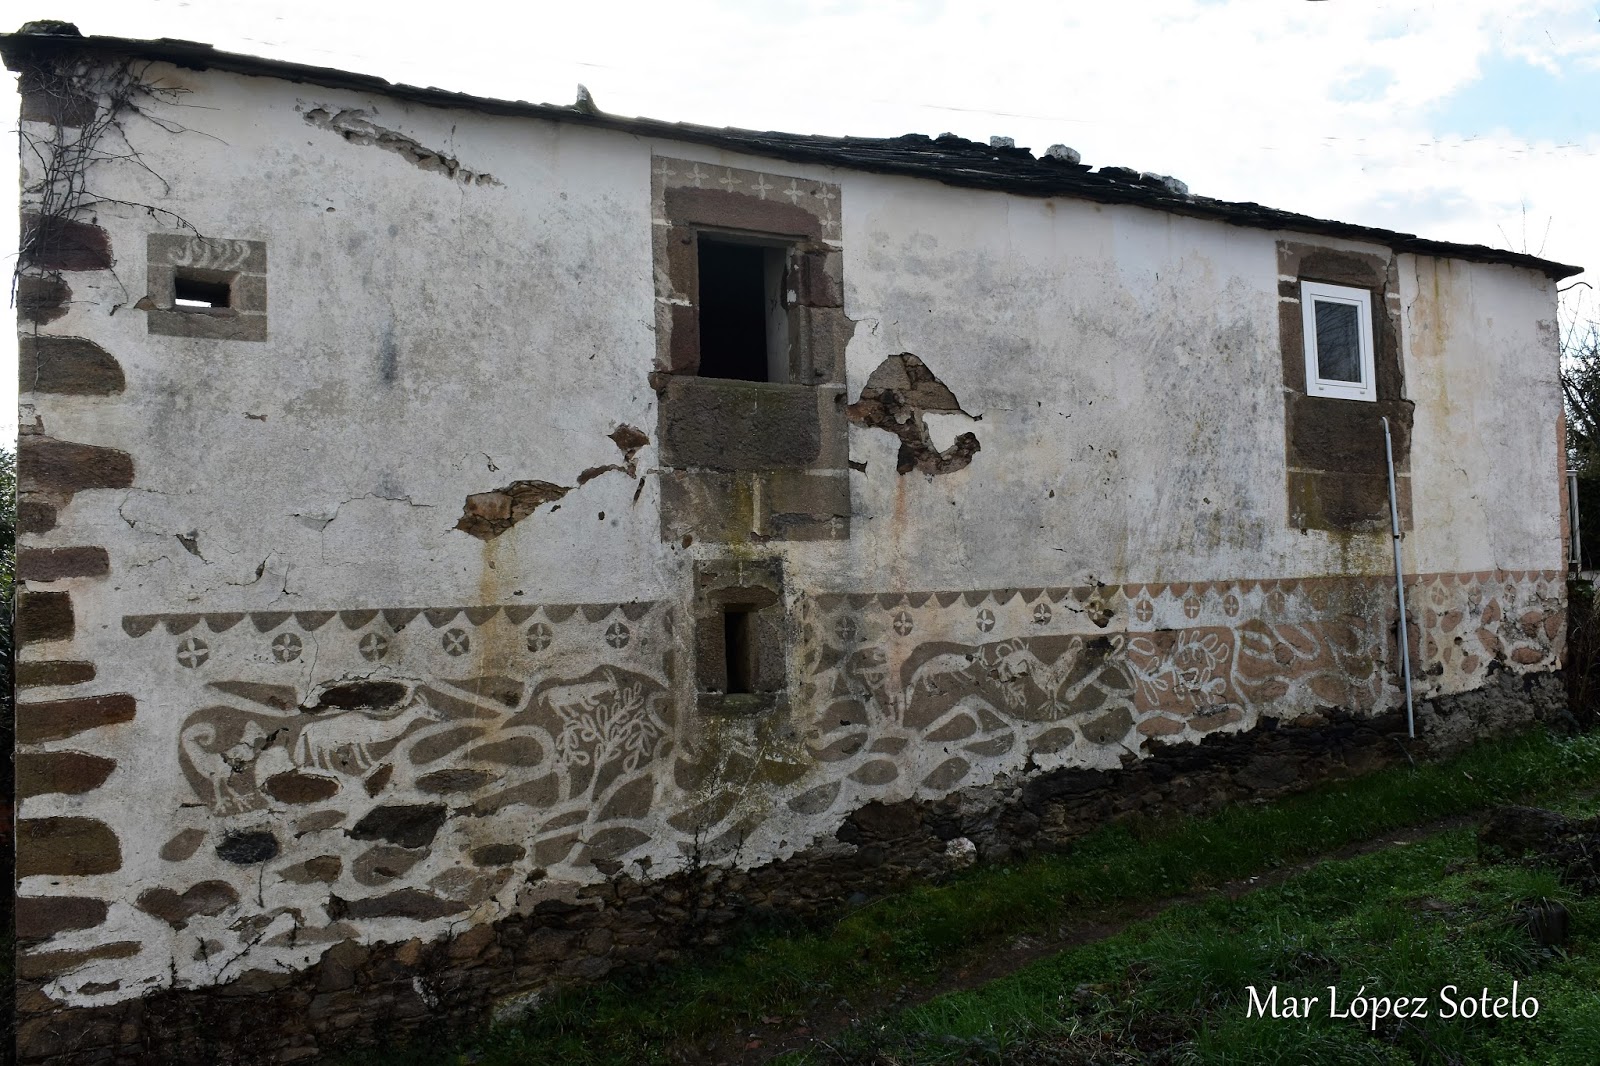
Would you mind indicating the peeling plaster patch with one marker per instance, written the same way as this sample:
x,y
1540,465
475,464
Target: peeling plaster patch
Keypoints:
x,y
630,440
489,514
895,399
944,428
355,126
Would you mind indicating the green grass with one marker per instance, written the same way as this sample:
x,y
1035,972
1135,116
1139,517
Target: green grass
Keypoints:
x,y
1405,921
905,940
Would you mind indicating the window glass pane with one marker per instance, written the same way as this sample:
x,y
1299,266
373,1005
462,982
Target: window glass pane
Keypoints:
x,y
1338,343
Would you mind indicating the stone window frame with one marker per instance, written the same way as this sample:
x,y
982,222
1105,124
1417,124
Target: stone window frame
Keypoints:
x,y
1314,292
1336,478
690,198
755,586
241,265
751,461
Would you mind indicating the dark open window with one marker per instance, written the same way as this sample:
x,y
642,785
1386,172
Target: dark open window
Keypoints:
x,y
738,649
194,294
743,320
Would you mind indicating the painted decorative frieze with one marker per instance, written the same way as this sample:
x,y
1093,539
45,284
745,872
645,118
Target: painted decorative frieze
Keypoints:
x,y
384,773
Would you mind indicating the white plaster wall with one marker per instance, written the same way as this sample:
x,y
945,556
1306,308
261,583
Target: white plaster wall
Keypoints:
x,y
1482,365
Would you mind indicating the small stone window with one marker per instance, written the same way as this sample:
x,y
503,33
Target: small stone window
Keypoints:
x,y
741,633
1338,341
192,292
1339,328
738,649
206,287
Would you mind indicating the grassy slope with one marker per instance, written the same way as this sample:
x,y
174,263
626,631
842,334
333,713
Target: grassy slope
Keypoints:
x,y
1405,921
911,937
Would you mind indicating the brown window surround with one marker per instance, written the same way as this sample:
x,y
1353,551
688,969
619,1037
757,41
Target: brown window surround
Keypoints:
x,y
742,633
750,342
1337,479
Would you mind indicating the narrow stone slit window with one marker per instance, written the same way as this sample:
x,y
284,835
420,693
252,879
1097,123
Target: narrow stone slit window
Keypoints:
x,y
196,294
744,322
738,648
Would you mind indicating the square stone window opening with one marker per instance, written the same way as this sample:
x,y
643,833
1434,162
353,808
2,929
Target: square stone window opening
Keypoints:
x,y
202,290
751,334
206,288
1337,321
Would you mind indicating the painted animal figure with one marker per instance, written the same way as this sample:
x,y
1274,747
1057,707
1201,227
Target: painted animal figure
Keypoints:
x,y
352,741
222,754
1018,664
937,674
568,700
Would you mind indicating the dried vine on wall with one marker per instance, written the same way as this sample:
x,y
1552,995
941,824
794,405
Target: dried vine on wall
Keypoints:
x,y
76,112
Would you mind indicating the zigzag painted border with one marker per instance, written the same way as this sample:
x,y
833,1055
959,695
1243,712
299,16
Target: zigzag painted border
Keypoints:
x,y
137,625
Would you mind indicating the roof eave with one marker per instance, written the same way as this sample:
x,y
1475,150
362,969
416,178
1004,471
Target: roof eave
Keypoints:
x,y
962,163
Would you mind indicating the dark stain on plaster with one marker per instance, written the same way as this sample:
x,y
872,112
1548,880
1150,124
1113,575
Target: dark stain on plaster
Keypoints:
x,y
489,514
34,516
895,398
56,244
356,127
406,903
389,357
174,908
69,365
61,468
42,917
42,299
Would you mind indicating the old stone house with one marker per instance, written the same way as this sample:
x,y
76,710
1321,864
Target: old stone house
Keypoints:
x,y
471,546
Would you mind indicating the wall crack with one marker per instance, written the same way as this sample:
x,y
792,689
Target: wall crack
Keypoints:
x,y
356,126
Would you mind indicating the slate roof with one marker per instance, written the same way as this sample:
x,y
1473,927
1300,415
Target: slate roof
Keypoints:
x,y
949,159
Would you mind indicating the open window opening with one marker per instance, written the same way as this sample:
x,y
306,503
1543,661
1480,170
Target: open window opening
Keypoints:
x,y
195,294
744,322
1338,341
739,650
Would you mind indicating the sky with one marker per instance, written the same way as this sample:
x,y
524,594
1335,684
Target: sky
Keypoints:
x,y
1470,120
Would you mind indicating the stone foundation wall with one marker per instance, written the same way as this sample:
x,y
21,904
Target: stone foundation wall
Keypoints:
x,y
358,994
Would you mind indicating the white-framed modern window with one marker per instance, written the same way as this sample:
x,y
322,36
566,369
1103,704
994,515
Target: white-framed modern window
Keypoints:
x,y
1338,332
